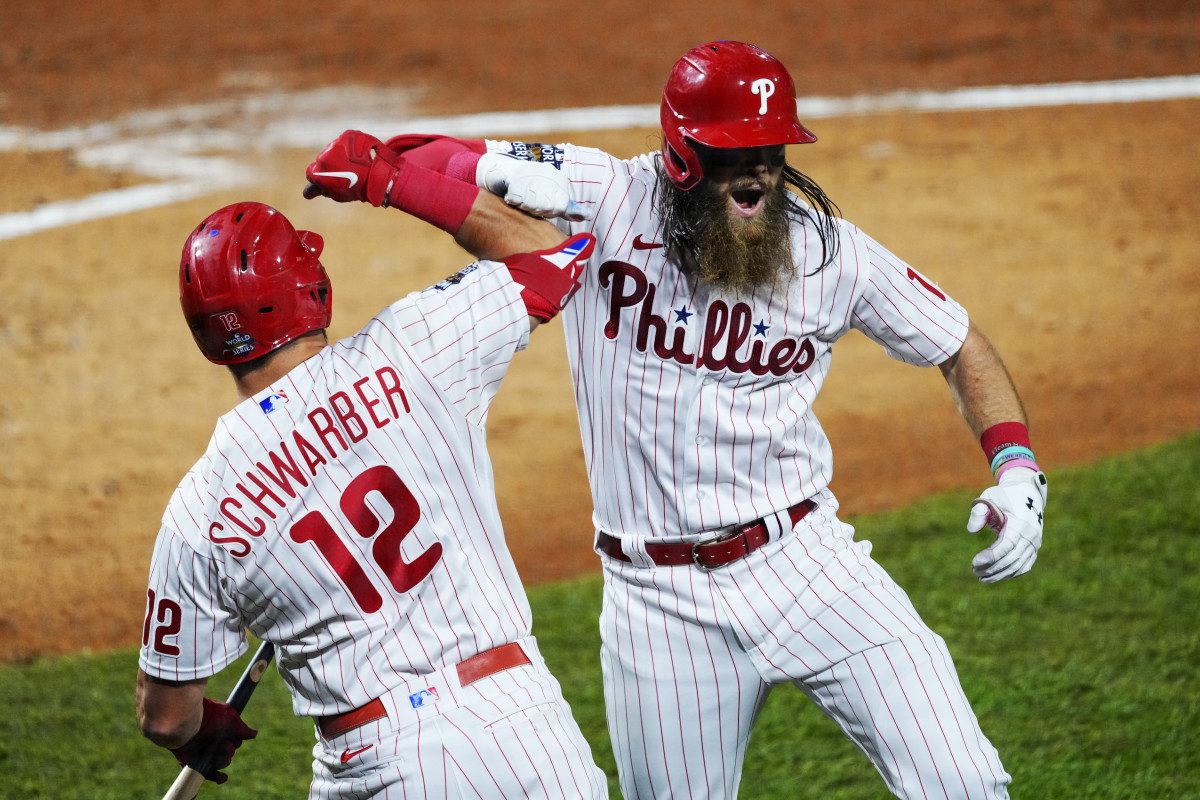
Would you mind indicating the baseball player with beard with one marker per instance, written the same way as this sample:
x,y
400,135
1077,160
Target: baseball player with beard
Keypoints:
x,y
345,511
698,343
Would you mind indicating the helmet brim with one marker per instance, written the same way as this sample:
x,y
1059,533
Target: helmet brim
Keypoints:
x,y
755,132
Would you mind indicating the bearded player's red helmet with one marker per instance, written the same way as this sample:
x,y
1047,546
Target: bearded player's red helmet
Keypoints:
x,y
249,283
726,94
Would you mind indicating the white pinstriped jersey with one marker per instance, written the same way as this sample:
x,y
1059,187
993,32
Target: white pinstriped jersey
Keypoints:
x,y
348,512
696,411
696,405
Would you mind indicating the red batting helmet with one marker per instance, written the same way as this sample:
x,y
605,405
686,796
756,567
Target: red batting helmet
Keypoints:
x,y
726,94
249,283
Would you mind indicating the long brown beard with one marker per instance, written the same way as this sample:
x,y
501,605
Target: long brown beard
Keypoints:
x,y
734,253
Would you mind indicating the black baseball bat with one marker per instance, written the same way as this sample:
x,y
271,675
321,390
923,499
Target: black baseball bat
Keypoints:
x,y
188,784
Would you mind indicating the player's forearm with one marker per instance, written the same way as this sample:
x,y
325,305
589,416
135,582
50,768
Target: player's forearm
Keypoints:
x,y
980,384
169,712
493,230
456,158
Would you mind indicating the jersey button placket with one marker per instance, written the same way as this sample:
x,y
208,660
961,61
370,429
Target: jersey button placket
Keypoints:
x,y
699,456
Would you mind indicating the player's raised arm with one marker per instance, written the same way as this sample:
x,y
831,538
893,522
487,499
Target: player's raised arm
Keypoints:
x,y
535,187
358,167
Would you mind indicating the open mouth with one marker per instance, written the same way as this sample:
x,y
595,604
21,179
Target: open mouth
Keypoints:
x,y
747,202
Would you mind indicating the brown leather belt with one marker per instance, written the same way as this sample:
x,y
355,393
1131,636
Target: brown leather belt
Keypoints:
x,y
734,542
489,662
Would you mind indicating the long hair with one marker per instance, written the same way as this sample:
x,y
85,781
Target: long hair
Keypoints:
x,y
818,209
824,222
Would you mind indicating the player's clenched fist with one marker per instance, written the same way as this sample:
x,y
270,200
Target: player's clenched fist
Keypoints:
x,y
541,189
355,166
1013,510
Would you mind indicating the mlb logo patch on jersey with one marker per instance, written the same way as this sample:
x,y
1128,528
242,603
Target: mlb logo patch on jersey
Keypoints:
x,y
273,402
541,153
425,697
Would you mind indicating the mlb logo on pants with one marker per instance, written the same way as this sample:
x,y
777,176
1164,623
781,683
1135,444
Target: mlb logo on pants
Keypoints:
x,y
423,697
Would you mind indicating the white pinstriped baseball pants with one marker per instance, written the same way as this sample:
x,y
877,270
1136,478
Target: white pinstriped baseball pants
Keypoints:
x,y
689,658
506,736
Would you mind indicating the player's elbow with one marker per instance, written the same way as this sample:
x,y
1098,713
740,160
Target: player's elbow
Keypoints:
x,y
168,713
154,730
164,731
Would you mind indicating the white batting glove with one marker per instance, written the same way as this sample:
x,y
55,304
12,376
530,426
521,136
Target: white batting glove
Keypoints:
x,y
541,189
1013,510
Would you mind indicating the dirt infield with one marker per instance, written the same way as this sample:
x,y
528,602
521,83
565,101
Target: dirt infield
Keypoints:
x,y
1069,232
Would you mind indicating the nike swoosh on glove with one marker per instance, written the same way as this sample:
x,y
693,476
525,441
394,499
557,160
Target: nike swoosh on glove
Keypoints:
x,y
353,167
1013,509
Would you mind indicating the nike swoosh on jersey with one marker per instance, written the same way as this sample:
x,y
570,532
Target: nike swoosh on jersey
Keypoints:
x,y
349,754
641,244
350,176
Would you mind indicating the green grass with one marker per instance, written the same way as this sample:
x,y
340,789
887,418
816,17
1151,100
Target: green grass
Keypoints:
x,y
1083,673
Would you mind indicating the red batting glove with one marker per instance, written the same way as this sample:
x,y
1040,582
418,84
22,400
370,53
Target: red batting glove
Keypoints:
x,y
353,167
357,166
211,749
549,278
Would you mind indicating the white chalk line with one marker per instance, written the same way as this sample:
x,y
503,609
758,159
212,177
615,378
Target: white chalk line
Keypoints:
x,y
174,144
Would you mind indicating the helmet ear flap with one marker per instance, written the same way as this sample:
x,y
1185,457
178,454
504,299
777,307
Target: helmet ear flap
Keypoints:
x,y
682,163
312,241
679,156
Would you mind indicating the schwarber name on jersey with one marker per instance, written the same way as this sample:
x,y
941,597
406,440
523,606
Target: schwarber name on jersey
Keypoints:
x,y
730,377
339,511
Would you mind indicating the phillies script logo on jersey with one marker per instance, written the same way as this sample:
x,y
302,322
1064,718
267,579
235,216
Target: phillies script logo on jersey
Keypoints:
x,y
727,328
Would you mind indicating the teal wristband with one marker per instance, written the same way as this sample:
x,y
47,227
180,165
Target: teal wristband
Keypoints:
x,y
1010,453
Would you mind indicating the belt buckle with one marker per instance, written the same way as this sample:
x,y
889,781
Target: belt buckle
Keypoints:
x,y
716,536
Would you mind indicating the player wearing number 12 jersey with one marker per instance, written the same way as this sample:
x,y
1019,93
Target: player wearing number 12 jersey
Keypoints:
x,y
345,511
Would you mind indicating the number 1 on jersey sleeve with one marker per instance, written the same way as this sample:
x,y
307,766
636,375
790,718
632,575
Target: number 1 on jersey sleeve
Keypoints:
x,y
913,275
